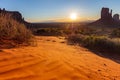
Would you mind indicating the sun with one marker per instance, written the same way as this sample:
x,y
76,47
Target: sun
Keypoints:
x,y
73,16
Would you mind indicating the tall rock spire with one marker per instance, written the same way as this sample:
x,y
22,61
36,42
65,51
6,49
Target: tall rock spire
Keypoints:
x,y
106,15
0,10
107,19
111,12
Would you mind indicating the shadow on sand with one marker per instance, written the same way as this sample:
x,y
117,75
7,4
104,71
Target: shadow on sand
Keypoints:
x,y
113,56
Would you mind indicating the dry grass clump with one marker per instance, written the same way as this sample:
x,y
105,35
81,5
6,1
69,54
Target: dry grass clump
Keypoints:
x,y
98,43
49,32
116,33
13,32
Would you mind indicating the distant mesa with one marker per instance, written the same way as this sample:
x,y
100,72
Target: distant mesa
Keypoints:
x,y
14,14
106,16
107,19
18,17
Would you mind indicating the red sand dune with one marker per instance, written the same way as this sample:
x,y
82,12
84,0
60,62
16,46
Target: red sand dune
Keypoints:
x,y
52,59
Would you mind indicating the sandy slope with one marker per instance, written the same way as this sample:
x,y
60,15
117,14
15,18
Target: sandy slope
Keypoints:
x,y
53,59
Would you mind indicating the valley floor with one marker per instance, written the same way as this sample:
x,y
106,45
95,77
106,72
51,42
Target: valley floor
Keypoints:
x,y
53,59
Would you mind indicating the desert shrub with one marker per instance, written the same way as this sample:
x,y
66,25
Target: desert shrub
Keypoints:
x,y
99,43
67,31
85,31
11,30
116,33
49,31
74,38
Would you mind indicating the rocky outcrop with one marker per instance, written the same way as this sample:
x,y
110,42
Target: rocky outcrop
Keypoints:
x,y
107,19
18,17
14,14
116,17
105,14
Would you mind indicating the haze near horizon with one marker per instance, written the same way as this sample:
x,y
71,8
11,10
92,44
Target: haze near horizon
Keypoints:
x,y
59,10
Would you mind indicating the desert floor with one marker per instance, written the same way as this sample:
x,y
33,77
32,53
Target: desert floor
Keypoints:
x,y
54,59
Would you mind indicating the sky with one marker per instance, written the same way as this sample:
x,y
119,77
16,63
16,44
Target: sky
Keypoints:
x,y
59,10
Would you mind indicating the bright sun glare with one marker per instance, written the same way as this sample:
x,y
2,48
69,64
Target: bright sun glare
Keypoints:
x,y
73,16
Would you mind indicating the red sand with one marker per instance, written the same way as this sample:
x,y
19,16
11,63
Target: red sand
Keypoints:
x,y
52,59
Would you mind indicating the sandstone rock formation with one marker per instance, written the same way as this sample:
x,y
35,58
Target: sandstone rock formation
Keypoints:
x,y
105,14
14,14
116,17
18,17
107,19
